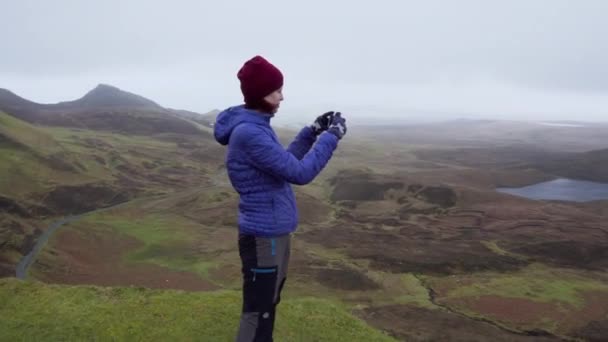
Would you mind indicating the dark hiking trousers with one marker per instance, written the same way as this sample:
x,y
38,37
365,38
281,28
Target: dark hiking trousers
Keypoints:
x,y
265,262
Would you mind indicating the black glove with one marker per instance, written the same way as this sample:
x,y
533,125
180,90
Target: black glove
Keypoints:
x,y
322,122
337,126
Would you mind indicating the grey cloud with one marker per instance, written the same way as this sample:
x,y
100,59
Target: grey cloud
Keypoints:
x,y
356,52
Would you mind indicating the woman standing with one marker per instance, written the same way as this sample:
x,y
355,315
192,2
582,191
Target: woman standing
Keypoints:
x,y
261,170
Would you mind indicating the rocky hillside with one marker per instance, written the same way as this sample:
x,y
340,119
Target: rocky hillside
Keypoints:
x,y
72,157
104,108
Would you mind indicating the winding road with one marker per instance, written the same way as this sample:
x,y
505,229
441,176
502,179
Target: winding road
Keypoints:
x,y
28,259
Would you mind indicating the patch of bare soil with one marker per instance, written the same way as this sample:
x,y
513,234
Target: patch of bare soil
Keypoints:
x,y
98,259
409,323
514,310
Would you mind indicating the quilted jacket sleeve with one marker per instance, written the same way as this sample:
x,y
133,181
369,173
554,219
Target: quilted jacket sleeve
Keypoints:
x,y
267,154
302,143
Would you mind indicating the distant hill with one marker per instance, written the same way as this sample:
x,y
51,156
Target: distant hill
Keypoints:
x,y
20,107
104,108
491,133
65,158
591,166
206,119
108,96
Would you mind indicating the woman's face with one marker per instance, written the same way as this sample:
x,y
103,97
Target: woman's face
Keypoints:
x,y
274,99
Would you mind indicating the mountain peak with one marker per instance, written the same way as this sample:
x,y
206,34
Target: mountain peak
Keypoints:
x,y
105,95
104,87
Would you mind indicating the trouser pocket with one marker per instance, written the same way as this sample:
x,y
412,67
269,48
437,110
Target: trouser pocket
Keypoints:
x,y
259,289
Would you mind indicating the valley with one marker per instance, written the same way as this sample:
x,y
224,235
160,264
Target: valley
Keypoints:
x,y
404,229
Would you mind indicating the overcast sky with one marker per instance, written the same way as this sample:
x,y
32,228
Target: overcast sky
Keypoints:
x,y
380,59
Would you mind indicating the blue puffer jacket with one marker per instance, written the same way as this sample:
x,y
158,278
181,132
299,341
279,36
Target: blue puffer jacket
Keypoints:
x,y
261,170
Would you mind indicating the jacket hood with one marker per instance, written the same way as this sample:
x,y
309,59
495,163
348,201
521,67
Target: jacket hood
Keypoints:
x,y
230,118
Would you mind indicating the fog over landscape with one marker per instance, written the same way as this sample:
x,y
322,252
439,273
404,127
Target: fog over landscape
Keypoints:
x,y
465,197
516,60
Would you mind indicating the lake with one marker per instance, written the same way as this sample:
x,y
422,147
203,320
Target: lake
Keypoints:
x,y
562,189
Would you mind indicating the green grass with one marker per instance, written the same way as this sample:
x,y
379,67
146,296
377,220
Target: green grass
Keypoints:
x,y
173,258
33,311
24,166
27,135
102,152
110,147
21,172
404,289
70,135
150,228
493,246
535,283
167,240
416,293
26,162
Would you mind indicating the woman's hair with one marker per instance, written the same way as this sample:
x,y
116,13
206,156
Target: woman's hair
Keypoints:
x,y
260,105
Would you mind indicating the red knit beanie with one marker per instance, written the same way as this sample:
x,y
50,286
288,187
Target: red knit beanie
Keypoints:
x,y
259,79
